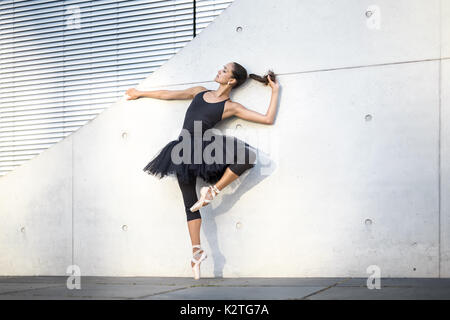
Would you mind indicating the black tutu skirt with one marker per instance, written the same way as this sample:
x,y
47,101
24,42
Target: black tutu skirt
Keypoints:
x,y
162,164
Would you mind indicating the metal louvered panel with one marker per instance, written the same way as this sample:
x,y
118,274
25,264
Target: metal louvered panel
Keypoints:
x,y
63,62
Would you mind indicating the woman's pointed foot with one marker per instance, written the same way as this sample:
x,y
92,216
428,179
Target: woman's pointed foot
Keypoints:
x,y
206,195
195,263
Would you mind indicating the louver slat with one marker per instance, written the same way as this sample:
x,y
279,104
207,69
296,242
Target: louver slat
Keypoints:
x,y
56,75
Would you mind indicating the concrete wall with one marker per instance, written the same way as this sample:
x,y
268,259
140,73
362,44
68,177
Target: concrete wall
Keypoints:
x,y
353,173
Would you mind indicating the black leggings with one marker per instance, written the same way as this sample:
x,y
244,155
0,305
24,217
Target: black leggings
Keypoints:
x,y
190,195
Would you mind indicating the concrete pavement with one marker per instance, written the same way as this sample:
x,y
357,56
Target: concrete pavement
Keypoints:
x,y
177,288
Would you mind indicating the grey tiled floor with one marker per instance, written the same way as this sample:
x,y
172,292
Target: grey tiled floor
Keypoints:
x,y
158,288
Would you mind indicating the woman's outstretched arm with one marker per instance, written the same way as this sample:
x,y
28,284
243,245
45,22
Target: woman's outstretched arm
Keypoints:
x,y
186,94
242,112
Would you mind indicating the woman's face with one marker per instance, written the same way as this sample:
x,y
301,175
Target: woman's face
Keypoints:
x,y
225,74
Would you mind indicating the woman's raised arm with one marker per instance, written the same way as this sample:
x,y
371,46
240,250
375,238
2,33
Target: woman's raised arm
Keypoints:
x,y
242,112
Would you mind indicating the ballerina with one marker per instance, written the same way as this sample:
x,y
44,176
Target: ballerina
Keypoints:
x,y
207,108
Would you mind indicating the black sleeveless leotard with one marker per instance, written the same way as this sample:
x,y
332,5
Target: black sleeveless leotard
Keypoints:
x,y
208,114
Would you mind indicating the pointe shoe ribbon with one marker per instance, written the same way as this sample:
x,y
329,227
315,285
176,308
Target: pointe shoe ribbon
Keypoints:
x,y
196,267
203,192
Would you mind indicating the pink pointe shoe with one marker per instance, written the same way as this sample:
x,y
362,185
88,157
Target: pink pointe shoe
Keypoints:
x,y
196,267
202,201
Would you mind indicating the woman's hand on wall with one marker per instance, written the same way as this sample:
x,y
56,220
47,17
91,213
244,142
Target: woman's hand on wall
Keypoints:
x,y
133,94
